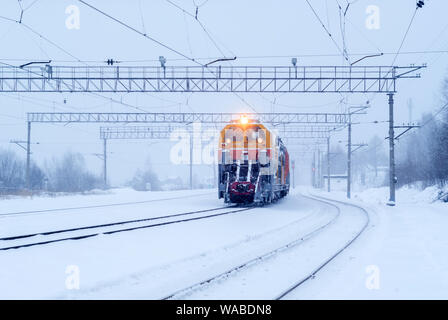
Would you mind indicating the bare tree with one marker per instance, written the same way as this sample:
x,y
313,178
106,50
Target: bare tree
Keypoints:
x,y
69,174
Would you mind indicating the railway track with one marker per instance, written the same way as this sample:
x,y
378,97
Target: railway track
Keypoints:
x,y
109,228
337,253
44,211
187,290
221,276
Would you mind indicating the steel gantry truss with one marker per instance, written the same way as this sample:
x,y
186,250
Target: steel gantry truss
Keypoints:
x,y
164,132
163,117
133,132
322,119
323,79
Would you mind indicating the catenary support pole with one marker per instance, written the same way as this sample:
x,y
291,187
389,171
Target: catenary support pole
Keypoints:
x,y
293,174
28,156
349,156
105,163
318,169
328,165
191,159
314,170
392,178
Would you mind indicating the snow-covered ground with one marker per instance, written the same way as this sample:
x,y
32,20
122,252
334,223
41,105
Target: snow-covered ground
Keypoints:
x,y
401,255
147,263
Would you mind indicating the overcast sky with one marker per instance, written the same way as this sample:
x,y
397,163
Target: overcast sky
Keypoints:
x,y
258,32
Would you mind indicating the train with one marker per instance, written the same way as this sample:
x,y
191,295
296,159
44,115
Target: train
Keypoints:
x,y
253,164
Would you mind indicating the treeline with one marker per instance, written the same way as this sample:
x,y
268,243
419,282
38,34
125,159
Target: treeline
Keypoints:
x,y
423,154
65,174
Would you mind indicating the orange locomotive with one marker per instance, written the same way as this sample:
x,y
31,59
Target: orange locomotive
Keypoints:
x,y
253,164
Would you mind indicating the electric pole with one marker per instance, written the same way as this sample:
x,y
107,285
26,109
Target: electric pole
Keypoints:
x,y
313,170
293,166
318,168
28,156
105,162
191,160
328,164
349,156
392,178
358,110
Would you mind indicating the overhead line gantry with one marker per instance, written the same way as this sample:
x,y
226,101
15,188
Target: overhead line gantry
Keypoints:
x,y
267,79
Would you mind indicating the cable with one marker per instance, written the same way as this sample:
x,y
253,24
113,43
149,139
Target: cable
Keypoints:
x,y
141,16
342,18
405,36
32,4
433,117
86,62
399,48
214,43
74,57
162,44
139,32
325,28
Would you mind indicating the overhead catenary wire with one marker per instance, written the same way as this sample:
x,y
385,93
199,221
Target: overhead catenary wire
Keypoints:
x,y
400,47
139,32
298,55
159,43
40,35
325,28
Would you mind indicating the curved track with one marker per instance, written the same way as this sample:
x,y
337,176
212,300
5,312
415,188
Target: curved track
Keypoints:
x,y
198,286
327,261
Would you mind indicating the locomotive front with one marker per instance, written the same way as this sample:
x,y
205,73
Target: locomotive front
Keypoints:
x,y
253,163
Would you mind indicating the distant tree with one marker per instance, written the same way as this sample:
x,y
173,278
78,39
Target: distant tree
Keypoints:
x,y
12,170
146,179
423,155
13,173
69,174
37,177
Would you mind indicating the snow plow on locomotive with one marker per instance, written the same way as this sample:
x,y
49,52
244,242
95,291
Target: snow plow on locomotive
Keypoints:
x,y
253,163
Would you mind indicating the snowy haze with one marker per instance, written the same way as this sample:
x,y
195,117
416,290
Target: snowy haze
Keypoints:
x,y
244,29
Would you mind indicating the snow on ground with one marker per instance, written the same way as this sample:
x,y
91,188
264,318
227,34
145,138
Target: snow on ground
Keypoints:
x,y
147,263
37,214
401,255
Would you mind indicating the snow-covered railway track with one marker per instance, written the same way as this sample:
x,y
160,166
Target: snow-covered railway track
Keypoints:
x,y
252,262
117,204
312,274
110,228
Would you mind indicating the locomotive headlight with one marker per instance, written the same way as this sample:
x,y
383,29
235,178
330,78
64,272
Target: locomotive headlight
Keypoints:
x,y
244,120
227,140
260,140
